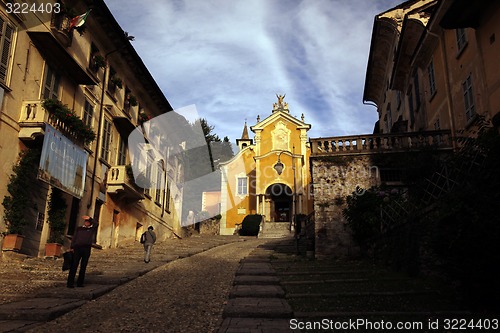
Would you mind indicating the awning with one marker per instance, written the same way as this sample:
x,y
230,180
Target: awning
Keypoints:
x,y
56,54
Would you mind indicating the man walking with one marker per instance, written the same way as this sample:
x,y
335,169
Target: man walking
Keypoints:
x,y
148,244
80,246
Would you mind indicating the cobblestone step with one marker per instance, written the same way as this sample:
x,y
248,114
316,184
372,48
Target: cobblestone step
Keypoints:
x,y
39,309
256,301
256,280
264,291
257,307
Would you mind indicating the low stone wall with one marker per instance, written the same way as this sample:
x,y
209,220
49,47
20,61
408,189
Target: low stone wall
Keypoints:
x,y
210,227
335,178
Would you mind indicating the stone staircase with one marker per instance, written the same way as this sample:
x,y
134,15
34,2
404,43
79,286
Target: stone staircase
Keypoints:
x,y
275,230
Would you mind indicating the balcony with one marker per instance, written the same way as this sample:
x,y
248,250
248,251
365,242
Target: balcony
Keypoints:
x,y
59,25
32,120
381,143
120,184
55,53
34,116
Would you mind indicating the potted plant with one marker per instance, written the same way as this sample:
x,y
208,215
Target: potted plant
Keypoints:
x,y
116,81
17,203
132,100
72,123
99,61
143,117
57,223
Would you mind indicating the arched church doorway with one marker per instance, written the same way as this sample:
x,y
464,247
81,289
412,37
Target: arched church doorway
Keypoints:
x,y
281,202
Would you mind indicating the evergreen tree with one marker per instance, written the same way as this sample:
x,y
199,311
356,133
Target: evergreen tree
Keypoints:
x,y
203,156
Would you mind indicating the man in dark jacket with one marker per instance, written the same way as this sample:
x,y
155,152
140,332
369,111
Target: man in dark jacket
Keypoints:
x,y
148,244
80,246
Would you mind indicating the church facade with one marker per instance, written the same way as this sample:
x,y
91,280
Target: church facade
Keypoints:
x,y
270,174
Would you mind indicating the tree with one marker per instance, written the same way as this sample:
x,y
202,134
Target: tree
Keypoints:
x,y
199,163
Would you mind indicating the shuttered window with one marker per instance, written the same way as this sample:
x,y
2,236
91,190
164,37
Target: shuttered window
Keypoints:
x,y
6,37
106,140
470,109
88,113
51,84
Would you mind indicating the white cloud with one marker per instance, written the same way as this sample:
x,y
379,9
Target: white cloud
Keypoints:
x,y
231,57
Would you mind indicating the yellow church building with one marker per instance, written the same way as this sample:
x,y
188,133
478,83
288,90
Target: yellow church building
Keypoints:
x,y
270,174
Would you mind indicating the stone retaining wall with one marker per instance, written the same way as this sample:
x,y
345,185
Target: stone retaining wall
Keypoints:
x,y
335,178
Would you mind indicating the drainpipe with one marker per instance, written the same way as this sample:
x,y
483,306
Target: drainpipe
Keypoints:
x,y
99,122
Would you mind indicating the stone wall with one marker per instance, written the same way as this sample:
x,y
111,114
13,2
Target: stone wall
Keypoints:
x,y
210,227
335,178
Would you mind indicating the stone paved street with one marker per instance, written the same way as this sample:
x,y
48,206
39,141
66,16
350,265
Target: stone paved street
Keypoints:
x,y
186,295
216,284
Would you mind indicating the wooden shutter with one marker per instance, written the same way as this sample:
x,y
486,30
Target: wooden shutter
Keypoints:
x,y
7,32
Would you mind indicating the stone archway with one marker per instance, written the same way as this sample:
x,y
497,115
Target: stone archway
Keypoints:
x,y
281,202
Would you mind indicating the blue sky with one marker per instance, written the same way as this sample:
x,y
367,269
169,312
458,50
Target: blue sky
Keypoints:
x,y
231,58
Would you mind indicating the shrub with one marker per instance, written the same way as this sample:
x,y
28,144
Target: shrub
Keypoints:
x,y
251,225
57,216
16,204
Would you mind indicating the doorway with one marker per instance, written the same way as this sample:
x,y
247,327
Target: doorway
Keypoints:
x,y
281,202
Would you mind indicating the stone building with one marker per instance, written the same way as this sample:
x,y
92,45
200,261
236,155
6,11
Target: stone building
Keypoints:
x,y
434,65
270,174
76,53
433,75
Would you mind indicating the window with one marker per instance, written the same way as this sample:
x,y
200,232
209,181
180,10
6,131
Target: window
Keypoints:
x,y
95,59
398,99
410,104
114,81
389,118
437,125
51,84
159,182
417,91
167,202
126,103
6,36
242,185
461,39
148,185
432,78
88,113
106,140
122,152
40,218
468,99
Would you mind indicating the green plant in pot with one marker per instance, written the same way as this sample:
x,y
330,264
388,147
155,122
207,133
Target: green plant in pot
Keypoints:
x,y
117,81
19,199
132,100
61,112
57,216
99,61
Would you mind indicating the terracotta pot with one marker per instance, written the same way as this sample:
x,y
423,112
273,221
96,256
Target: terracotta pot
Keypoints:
x,y
53,250
12,242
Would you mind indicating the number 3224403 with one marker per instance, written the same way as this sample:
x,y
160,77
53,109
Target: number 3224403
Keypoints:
x,y
25,8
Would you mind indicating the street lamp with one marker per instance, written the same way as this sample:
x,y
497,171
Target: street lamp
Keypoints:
x,y
279,166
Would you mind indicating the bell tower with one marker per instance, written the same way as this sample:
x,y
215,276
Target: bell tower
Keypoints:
x,y
245,140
